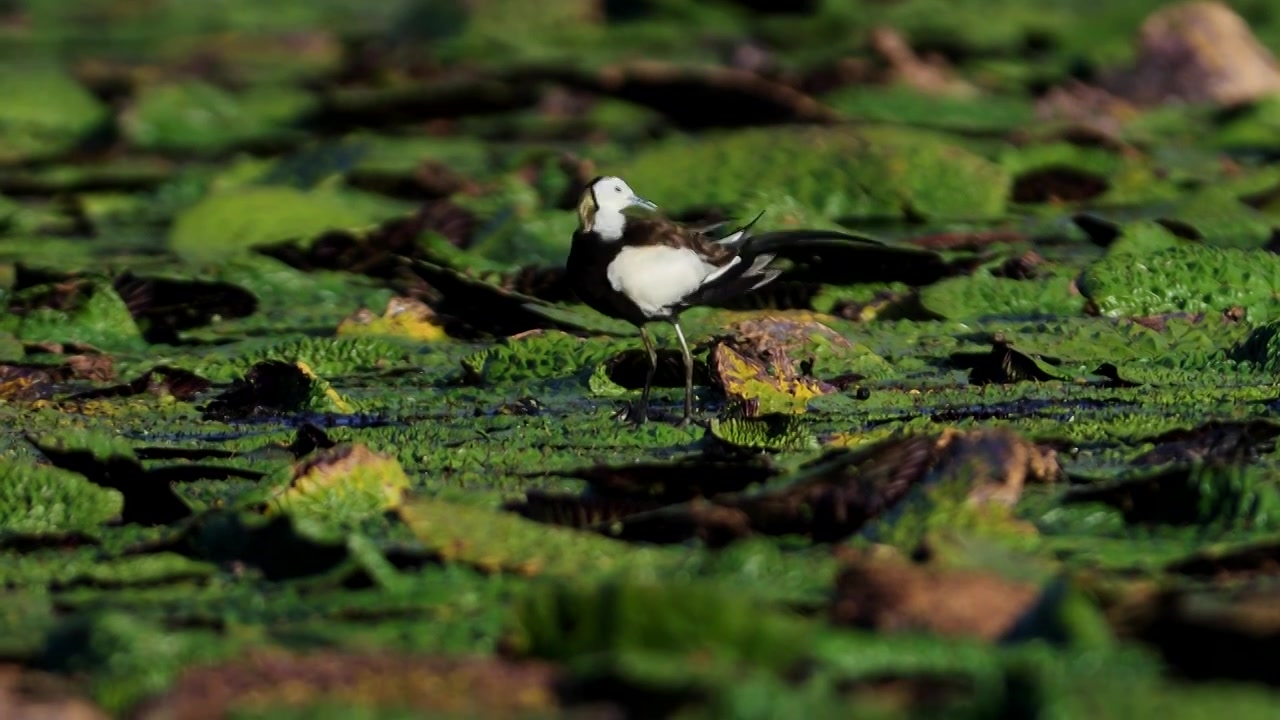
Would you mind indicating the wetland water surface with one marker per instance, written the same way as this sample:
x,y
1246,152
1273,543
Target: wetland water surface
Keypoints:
x,y
299,418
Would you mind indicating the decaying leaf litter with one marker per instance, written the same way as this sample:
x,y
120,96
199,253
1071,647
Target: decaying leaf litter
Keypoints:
x,y
300,417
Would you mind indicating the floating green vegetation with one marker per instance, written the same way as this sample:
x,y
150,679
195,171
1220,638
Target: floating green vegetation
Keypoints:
x,y
300,415
881,171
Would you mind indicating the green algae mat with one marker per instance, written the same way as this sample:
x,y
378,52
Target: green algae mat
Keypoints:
x,y
298,418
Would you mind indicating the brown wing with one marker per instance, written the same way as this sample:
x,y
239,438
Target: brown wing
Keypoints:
x,y
661,231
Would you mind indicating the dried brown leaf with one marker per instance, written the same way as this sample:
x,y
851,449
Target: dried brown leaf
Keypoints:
x,y
1197,52
893,595
29,695
264,679
928,75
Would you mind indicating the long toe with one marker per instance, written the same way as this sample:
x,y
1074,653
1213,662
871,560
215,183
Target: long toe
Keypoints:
x,y
632,414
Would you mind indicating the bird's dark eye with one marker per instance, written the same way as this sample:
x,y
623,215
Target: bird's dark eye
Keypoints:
x,y
617,188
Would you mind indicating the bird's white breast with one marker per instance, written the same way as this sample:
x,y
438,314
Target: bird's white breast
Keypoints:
x,y
655,277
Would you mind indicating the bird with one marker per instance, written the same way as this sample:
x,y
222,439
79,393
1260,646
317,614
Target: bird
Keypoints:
x,y
650,268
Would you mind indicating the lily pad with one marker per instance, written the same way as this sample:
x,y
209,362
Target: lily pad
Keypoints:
x,y
45,113
1185,278
543,354
199,117
44,500
509,543
341,484
235,222
87,311
839,172
984,295
897,103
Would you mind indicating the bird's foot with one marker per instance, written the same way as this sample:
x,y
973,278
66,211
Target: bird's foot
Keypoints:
x,y
682,420
632,414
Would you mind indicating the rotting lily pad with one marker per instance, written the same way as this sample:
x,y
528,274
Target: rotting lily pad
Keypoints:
x,y
403,317
979,478
802,341
342,483
769,388
274,387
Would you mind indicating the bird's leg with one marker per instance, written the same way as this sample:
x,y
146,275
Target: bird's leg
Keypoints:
x,y
642,410
688,376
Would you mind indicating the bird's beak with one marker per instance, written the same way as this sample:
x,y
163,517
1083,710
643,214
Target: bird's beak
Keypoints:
x,y
637,200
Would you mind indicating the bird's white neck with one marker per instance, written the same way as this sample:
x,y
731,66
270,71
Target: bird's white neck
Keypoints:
x,y
609,224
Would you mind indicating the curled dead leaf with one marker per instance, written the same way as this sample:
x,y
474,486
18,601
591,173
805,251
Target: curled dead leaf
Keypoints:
x,y
770,360
160,380
837,494
929,75
1087,106
775,388
28,382
403,317
345,480
997,464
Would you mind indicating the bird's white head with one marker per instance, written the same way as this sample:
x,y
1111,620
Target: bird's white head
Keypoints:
x,y
602,203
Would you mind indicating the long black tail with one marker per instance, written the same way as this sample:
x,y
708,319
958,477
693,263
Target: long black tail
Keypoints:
x,y
778,242
756,252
